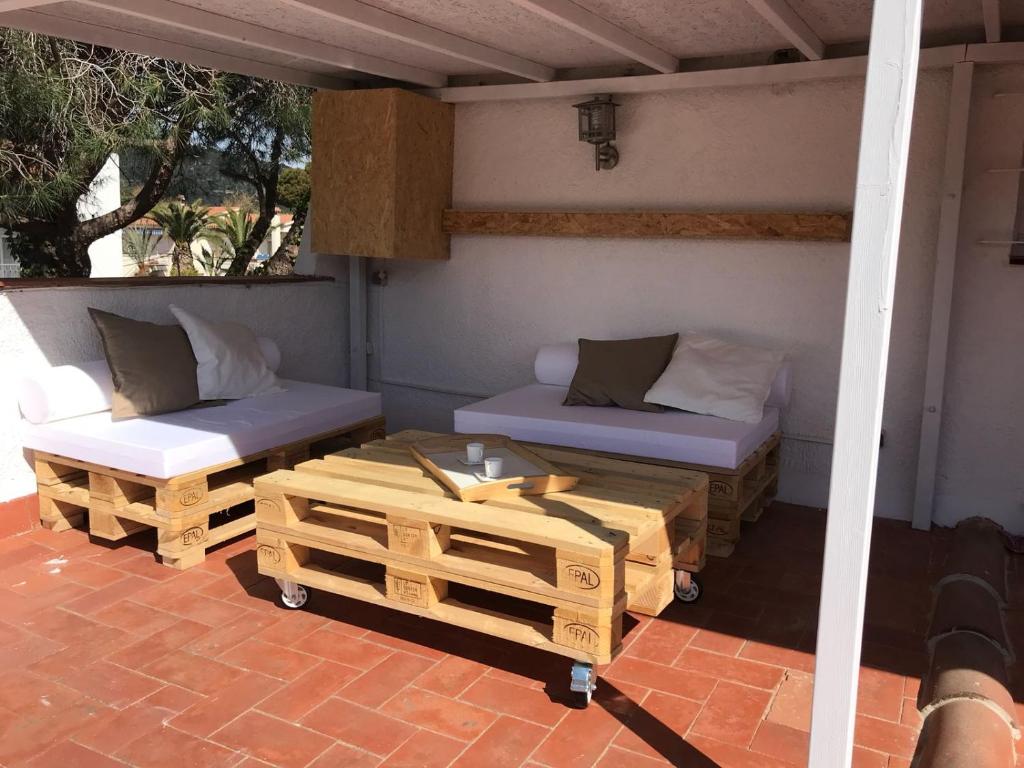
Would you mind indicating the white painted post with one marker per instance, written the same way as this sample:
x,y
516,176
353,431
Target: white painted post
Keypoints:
x,y
357,302
878,209
942,292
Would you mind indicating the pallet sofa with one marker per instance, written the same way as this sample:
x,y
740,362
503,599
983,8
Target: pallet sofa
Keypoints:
x,y
177,471
740,459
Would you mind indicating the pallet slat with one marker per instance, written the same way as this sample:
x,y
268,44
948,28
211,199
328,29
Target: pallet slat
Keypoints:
x,y
523,631
546,531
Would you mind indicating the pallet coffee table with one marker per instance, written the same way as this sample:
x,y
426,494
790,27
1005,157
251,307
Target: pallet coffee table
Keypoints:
x,y
371,524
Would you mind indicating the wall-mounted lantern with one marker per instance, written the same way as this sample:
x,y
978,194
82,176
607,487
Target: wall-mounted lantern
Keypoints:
x,y
597,127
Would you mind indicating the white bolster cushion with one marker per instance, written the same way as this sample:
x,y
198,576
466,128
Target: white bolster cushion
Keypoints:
x,y
271,353
556,363
66,391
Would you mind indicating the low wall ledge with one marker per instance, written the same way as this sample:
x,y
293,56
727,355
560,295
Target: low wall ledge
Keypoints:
x,y
37,283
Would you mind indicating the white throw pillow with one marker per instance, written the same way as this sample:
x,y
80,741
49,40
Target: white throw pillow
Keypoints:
x,y
716,378
230,363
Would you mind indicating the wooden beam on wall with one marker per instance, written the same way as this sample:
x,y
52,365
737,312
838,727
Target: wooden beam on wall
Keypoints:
x,y
877,219
567,14
942,292
205,24
787,22
371,19
828,227
993,21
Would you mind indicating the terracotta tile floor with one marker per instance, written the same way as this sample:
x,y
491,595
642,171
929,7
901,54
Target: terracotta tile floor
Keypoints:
x,y
110,659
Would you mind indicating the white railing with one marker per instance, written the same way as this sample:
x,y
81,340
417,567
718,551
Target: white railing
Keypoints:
x,y
9,270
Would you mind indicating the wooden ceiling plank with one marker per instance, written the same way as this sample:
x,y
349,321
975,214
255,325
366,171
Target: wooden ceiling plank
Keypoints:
x,y
381,22
787,22
593,27
110,37
208,24
7,6
993,21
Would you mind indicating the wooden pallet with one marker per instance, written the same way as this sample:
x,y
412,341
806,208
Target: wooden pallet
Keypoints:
x,y
663,512
183,509
426,548
733,494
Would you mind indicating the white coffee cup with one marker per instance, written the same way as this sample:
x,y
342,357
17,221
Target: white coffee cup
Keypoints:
x,y
474,453
493,467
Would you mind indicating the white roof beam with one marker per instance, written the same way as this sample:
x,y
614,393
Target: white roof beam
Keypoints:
x,y
109,37
371,19
768,74
208,24
993,21
942,292
23,5
590,25
788,23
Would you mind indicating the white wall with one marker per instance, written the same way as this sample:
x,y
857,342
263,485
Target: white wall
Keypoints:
x,y
981,455
472,325
52,327
104,196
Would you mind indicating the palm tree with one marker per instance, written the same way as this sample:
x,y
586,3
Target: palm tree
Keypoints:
x,y
233,228
140,244
183,223
214,261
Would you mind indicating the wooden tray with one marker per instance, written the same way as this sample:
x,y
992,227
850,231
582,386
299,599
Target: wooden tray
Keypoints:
x,y
527,474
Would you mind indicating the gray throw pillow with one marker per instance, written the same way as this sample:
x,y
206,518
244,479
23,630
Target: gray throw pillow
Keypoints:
x,y
620,372
152,366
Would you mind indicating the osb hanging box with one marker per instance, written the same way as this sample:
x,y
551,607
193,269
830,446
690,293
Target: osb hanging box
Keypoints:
x,y
381,174
524,473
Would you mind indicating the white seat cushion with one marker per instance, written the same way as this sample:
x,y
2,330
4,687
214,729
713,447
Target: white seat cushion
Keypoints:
x,y
188,441
535,414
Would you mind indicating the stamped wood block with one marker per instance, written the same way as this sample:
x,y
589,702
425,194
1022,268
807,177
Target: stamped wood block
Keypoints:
x,y
601,578
414,588
595,632
416,537
175,501
726,530
183,549
369,432
277,557
278,508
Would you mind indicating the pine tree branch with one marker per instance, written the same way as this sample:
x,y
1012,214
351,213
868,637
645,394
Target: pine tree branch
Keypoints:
x,y
162,171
